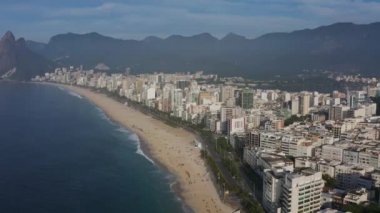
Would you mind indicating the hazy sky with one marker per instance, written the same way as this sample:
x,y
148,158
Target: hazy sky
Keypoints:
x,y
40,19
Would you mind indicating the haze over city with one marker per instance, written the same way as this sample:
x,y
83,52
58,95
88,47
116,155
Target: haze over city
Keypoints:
x,y
39,20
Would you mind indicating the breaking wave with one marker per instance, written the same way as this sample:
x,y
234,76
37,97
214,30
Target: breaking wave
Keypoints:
x,y
103,115
74,94
70,92
139,151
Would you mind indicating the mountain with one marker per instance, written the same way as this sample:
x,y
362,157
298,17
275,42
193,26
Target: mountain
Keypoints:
x,y
17,61
36,46
343,47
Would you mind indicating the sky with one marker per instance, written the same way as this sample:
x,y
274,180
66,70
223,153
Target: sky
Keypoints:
x,y
135,19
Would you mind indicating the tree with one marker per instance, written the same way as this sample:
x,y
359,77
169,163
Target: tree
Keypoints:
x,y
329,181
223,145
295,118
354,208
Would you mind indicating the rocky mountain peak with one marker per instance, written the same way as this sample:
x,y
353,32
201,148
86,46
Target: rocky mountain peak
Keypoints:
x,y
8,36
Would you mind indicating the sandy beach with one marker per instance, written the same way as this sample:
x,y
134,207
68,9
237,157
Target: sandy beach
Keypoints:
x,y
172,147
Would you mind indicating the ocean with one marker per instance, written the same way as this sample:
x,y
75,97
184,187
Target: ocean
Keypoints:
x,y
60,153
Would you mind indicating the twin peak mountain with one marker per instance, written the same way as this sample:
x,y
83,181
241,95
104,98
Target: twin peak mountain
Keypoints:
x,y
17,61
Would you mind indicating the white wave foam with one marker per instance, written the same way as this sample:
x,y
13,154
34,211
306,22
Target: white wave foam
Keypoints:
x,y
123,130
103,115
70,92
172,184
170,177
139,151
75,94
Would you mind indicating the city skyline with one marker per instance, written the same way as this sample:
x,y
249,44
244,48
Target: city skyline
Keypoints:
x,y
190,106
310,151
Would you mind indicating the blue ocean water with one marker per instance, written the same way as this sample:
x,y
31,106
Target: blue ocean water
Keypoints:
x,y
60,153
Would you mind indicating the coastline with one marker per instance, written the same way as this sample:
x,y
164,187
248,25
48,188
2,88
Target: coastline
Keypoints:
x,y
174,184
146,153
170,148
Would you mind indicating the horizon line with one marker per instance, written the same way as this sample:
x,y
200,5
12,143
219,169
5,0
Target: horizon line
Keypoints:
x,y
185,36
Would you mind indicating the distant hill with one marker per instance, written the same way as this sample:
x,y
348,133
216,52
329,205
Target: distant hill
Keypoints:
x,y
344,47
17,61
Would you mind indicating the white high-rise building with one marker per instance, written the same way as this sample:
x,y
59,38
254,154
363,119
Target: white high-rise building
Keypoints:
x,y
295,106
272,189
304,104
151,93
270,140
289,144
315,100
235,125
227,92
227,113
302,191
331,152
287,96
177,102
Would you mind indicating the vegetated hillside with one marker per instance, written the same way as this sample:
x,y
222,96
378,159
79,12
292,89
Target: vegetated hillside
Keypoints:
x,y
343,47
